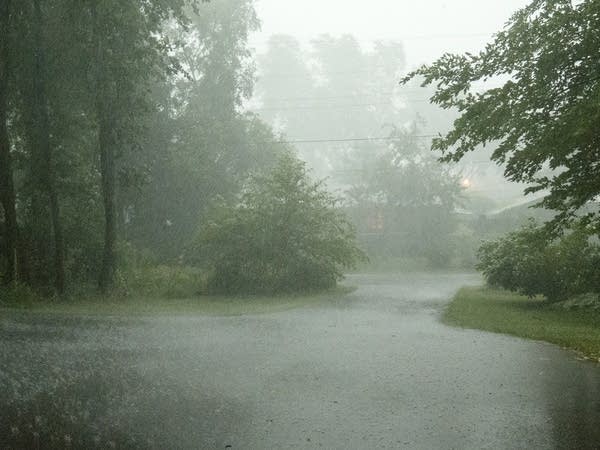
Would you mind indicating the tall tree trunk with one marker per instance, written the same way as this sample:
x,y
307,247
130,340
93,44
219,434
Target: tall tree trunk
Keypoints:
x,y
104,97
107,170
42,126
7,190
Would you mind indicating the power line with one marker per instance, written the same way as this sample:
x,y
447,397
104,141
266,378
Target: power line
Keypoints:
x,y
365,139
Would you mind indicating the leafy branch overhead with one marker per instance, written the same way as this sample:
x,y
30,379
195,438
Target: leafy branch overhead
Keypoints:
x,y
544,119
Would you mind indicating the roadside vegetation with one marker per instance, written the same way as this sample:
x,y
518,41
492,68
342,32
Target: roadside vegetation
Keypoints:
x,y
24,300
539,288
544,279
532,262
573,325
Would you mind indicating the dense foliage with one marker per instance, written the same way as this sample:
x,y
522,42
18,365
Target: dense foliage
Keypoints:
x,y
526,261
544,117
284,234
120,123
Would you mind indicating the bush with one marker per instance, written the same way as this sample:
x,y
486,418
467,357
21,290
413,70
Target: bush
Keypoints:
x,y
160,281
19,295
285,234
140,274
529,262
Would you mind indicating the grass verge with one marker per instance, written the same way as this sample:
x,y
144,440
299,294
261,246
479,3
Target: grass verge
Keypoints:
x,y
508,313
202,305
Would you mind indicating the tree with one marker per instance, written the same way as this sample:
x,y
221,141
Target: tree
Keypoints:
x,y
332,90
199,145
7,190
414,195
40,131
131,114
544,117
129,50
33,68
284,73
285,234
46,125
103,108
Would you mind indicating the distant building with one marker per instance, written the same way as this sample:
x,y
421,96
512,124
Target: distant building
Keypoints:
x,y
376,221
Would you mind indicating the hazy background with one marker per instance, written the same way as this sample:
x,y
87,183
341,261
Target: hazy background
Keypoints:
x,y
415,33
428,28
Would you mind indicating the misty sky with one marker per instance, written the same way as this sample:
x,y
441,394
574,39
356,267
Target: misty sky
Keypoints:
x,y
428,28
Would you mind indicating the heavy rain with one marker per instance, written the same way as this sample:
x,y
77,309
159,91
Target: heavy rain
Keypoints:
x,y
257,224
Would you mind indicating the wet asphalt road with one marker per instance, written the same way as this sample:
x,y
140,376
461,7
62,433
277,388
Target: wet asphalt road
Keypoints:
x,y
374,370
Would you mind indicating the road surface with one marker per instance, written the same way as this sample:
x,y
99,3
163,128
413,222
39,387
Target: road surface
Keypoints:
x,y
375,369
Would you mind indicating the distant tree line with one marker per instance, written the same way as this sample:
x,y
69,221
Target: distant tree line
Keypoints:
x,y
401,199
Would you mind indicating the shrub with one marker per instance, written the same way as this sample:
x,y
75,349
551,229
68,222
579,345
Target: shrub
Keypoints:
x,y
141,275
285,234
529,262
19,295
160,281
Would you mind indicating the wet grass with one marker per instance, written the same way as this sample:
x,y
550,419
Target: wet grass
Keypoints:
x,y
201,305
508,313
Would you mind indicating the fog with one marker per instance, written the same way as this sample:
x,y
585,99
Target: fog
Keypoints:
x,y
423,31
255,224
427,28
329,84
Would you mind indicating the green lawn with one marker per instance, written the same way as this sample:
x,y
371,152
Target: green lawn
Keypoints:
x,y
202,305
504,312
